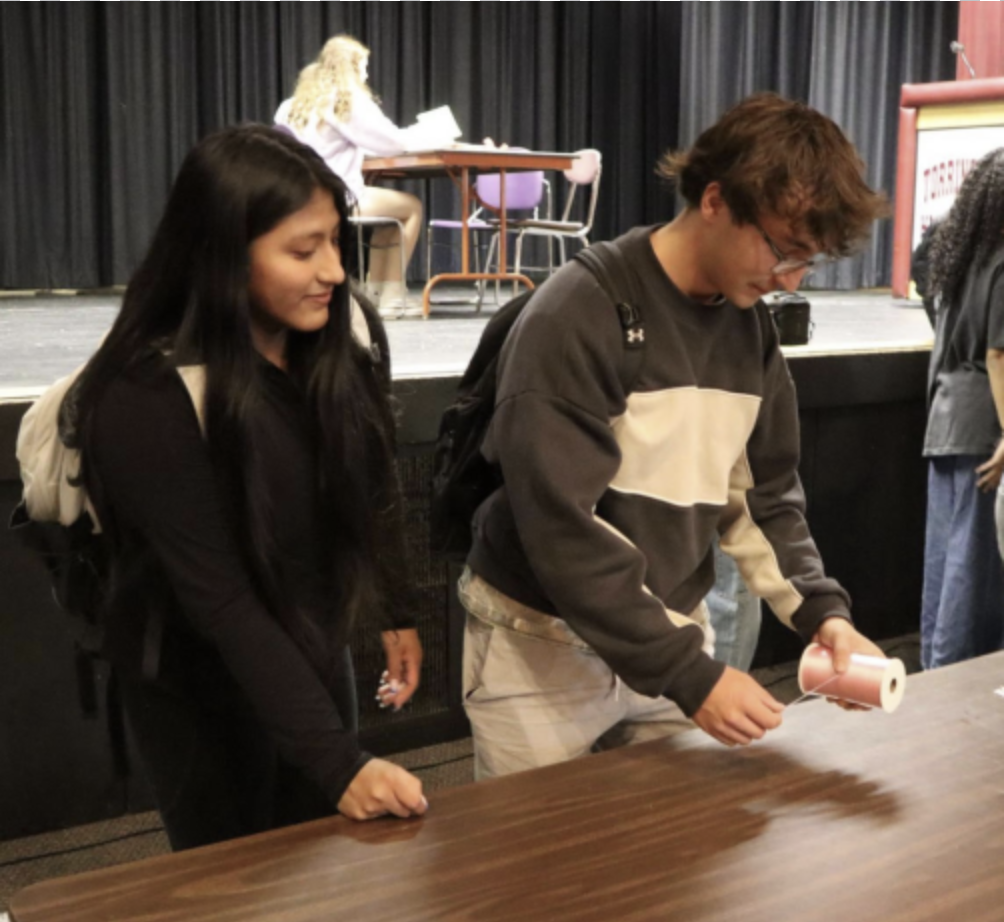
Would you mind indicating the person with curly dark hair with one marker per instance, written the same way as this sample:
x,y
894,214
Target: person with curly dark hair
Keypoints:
x,y
963,603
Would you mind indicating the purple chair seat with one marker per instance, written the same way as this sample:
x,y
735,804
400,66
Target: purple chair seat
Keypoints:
x,y
524,192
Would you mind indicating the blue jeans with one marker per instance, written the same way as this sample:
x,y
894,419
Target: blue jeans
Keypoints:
x,y
962,615
735,614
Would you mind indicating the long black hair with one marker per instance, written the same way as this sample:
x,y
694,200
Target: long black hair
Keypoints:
x,y
973,230
189,300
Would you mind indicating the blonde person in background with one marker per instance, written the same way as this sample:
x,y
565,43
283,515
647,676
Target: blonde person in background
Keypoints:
x,y
334,112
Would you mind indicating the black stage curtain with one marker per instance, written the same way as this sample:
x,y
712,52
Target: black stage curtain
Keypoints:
x,y
100,101
846,59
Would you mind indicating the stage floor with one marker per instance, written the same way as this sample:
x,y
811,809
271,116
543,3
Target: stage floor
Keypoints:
x,y
43,337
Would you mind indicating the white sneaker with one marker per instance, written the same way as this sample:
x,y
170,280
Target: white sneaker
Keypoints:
x,y
395,300
390,311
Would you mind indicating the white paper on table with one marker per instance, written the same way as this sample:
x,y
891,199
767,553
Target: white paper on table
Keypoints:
x,y
435,128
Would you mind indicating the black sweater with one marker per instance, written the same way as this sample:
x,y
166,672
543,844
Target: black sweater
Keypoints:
x,y
611,500
178,552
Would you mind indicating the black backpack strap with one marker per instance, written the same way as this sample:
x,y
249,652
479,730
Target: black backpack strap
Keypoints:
x,y
606,261
117,735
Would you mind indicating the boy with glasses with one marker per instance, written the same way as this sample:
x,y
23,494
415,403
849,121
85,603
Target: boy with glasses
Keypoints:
x,y
584,588
787,264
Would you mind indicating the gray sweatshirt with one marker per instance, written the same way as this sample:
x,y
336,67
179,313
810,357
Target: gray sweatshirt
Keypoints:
x,y
611,500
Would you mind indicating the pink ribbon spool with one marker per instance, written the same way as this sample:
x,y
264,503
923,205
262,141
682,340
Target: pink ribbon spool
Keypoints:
x,y
871,680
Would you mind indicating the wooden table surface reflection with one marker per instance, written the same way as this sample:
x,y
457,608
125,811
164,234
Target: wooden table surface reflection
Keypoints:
x,y
836,816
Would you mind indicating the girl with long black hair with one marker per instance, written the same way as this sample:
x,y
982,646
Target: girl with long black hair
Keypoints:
x,y
250,537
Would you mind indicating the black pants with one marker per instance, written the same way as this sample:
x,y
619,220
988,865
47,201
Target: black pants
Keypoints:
x,y
215,772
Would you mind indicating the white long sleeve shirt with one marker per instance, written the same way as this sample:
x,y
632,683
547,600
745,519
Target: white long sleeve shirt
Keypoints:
x,y
343,145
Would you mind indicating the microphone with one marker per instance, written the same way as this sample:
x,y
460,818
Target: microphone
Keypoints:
x,y
960,49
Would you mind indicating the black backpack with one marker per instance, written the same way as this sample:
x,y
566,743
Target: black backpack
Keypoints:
x,y
79,564
80,556
462,477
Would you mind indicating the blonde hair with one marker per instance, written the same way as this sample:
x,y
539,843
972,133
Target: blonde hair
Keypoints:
x,y
330,82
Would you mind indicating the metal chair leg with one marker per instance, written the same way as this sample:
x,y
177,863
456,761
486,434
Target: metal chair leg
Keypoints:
x,y
428,252
362,254
518,262
404,258
488,262
480,285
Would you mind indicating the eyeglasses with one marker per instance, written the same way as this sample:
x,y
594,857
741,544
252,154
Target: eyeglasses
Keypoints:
x,y
786,264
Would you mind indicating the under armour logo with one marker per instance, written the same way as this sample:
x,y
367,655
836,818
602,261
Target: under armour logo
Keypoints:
x,y
636,336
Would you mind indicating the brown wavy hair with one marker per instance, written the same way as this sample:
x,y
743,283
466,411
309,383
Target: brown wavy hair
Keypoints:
x,y
776,156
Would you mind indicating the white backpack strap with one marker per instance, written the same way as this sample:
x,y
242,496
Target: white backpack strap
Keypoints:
x,y
194,379
48,467
360,328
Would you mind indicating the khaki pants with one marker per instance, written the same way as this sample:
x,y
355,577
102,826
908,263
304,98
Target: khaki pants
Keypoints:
x,y
536,694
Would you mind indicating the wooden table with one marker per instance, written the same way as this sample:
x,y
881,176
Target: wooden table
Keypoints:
x,y
462,165
838,816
